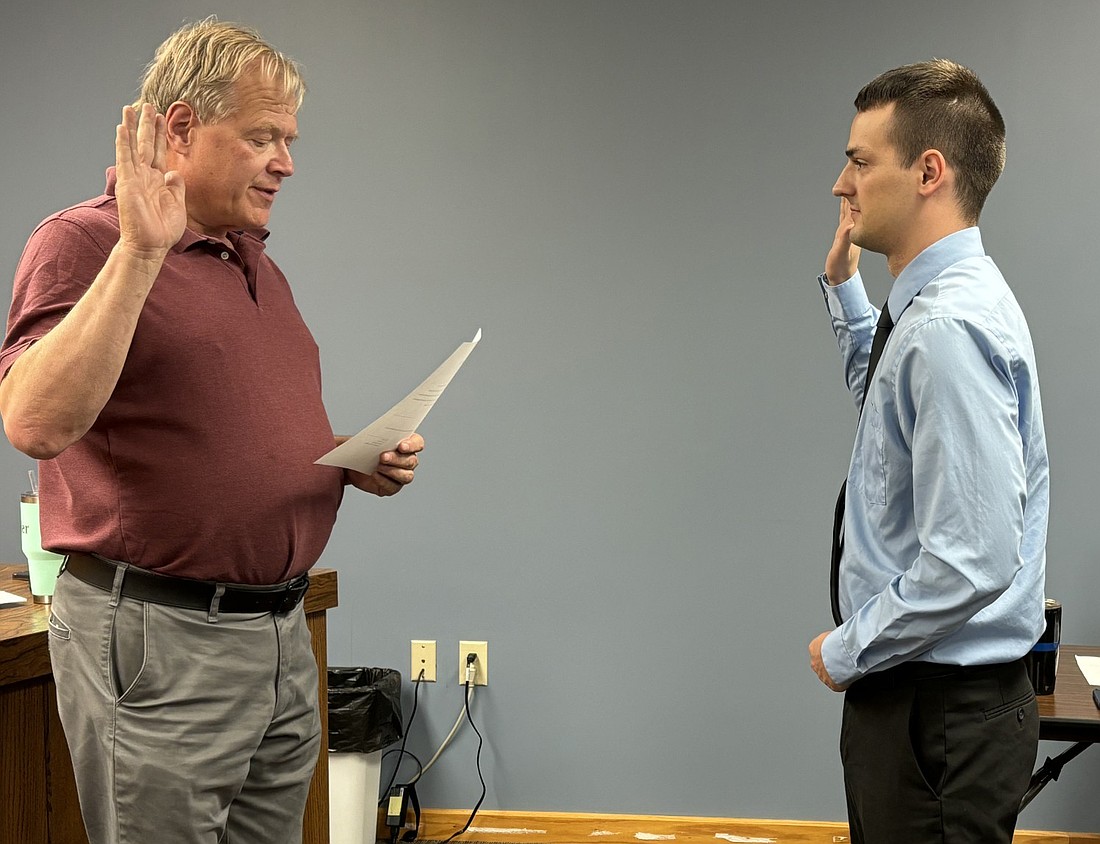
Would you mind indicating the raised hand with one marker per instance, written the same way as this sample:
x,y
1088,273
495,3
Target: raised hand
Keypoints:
x,y
843,259
151,208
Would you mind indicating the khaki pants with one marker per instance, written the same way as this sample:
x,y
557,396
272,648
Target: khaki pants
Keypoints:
x,y
180,729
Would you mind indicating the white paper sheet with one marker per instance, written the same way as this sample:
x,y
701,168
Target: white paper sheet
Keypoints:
x,y
1090,667
362,451
9,599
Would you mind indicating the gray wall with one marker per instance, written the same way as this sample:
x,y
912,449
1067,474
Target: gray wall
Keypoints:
x,y
628,491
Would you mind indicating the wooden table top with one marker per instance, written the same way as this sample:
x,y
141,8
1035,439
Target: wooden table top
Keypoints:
x,y
24,654
1070,713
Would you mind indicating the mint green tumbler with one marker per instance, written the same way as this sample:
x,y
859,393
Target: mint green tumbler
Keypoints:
x,y
44,566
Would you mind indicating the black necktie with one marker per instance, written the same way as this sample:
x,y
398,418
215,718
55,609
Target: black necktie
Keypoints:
x,y
885,324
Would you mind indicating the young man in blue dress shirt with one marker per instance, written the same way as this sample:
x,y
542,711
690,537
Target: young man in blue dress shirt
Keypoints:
x,y
941,578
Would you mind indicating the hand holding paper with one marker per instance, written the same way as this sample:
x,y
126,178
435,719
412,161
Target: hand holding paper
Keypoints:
x,y
362,451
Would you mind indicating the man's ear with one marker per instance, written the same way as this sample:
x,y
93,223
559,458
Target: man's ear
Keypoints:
x,y
933,171
181,122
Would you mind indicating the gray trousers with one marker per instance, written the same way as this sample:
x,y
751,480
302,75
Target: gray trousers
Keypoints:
x,y
181,729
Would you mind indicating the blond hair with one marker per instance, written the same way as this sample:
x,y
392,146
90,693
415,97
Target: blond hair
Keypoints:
x,y
200,63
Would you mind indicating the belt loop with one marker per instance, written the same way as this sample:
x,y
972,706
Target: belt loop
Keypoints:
x,y
116,586
212,615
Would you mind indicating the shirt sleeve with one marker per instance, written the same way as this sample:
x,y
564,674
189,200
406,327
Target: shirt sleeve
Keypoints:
x,y
958,407
59,263
853,320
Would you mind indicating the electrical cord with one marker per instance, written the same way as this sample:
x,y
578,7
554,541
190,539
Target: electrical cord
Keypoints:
x,y
446,741
468,693
470,671
401,752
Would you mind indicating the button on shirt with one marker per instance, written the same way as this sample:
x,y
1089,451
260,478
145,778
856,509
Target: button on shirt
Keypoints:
x,y
948,489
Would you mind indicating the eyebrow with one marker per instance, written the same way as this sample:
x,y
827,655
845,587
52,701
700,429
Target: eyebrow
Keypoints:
x,y
274,130
852,152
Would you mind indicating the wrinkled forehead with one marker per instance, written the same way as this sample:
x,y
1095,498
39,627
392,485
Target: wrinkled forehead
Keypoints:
x,y
259,91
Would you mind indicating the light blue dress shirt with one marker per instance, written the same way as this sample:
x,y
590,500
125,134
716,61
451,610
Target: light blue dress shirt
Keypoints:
x,y
948,488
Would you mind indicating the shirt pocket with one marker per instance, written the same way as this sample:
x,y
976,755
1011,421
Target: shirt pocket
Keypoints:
x,y
872,448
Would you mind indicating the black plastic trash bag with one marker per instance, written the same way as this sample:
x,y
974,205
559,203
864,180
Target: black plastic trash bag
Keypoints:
x,y
364,709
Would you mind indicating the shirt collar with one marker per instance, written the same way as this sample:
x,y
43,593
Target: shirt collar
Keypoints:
x,y
190,238
957,246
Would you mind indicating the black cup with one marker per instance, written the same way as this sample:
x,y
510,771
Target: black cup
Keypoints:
x,y
1042,662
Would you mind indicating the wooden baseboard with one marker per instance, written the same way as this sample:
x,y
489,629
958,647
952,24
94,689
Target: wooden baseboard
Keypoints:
x,y
572,828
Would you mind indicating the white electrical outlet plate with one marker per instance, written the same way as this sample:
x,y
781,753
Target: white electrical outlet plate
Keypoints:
x,y
481,678
423,659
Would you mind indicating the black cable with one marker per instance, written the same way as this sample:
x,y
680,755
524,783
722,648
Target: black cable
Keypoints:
x,y
480,742
402,753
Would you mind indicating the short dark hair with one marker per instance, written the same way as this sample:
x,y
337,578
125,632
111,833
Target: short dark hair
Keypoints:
x,y
942,105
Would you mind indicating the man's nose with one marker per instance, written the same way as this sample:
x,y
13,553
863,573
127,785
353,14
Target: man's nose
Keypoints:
x,y
283,162
842,185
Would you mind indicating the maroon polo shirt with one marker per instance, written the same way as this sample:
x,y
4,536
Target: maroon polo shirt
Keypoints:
x,y
201,463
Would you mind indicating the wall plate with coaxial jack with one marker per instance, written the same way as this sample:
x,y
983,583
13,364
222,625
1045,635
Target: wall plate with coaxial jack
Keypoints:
x,y
481,678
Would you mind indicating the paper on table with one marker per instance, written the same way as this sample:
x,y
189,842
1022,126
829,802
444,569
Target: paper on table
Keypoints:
x,y
1090,667
9,599
362,451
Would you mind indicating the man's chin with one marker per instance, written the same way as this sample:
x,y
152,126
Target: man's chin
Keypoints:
x,y
860,239
258,220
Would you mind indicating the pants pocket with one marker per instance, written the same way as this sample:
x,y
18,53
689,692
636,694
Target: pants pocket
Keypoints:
x,y
1012,706
57,628
927,736
129,650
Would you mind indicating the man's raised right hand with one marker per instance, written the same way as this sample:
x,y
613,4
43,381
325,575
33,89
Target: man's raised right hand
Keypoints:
x,y
151,203
843,259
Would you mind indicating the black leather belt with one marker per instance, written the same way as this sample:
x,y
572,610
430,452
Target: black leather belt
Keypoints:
x,y
915,672
156,588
